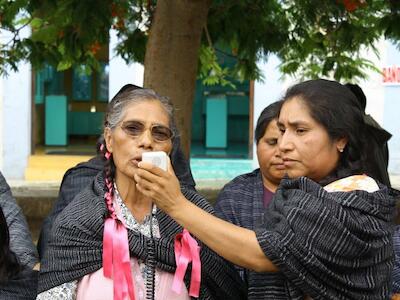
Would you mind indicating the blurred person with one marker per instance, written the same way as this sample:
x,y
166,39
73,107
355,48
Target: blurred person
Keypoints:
x,y
243,200
327,234
91,239
18,258
77,178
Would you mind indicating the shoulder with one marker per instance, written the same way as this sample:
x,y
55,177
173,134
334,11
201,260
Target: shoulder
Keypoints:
x,y
4,187
352,183
88,168
6,199
88,202
239,195
197,199
244,181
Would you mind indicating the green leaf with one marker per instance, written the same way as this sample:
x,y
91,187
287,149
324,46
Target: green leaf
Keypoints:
x,y
64,65
45,35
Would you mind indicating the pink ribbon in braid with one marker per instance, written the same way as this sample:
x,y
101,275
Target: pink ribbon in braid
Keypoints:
x,y
116,260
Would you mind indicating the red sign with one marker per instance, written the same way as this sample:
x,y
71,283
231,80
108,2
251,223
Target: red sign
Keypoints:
x,y
391,75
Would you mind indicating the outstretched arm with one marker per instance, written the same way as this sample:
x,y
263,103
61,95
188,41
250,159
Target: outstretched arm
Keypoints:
x,y
236,244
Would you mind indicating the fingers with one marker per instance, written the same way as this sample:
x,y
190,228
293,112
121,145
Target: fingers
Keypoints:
x,y
148,174
146,187
151,168
170,168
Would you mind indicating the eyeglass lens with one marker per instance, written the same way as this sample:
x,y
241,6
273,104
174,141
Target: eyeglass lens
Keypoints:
x,y
158,132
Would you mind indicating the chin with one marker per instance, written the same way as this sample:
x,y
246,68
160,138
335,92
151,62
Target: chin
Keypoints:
x,y
294,174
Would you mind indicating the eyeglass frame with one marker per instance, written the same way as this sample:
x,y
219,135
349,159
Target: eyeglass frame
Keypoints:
x,y
124,129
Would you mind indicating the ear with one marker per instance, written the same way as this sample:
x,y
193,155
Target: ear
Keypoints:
x,y
341,144
108,138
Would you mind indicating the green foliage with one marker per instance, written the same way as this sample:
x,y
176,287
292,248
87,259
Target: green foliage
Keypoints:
x,y
313,38
326,39
211,71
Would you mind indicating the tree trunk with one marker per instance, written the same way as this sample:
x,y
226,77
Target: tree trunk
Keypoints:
x,y
172,53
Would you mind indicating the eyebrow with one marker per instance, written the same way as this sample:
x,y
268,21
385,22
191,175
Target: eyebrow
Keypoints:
x,y
294,123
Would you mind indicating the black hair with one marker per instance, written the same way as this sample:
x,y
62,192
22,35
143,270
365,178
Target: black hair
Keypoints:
x,y
358,92
9,266
268,114
337,109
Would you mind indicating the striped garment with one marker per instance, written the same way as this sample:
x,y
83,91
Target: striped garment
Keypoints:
x,y
396,269
241,203
23,286
334,245
76,179
75,247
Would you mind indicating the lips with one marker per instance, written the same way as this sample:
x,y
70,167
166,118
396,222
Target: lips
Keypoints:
x,y
136,160
288,161
279,166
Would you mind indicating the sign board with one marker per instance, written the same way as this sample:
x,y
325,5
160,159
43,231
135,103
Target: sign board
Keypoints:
x,y
391,75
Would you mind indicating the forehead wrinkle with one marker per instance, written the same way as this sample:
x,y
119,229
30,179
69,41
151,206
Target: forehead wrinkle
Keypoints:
x,y
138,116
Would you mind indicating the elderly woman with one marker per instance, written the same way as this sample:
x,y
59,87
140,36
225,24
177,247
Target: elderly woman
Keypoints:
x,y
77,178
327,233
18,279
243,200
90,242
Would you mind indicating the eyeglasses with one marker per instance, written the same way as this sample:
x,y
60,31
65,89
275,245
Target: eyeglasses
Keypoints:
x,y
135,129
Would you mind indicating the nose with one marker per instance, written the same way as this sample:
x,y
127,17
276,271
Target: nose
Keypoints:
x,y
285,142
145,140
278,153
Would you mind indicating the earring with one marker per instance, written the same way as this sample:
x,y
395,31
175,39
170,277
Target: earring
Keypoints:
x,y
341,150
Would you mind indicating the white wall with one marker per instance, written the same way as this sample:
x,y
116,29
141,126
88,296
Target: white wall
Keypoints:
x,y
121,73
391,113
16,122
270,90
15,113
1,123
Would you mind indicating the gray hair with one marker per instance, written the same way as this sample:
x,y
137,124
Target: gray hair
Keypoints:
x,y
116,108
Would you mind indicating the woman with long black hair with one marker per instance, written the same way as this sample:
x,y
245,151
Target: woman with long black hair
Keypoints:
x,y
327,234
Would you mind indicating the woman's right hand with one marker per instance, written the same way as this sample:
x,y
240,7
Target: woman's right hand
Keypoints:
x,y
161,186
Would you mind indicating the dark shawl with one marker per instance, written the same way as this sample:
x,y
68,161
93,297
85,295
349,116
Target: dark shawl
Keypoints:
x,y
75,246
21,287
241,200
396,269
76,179
378,151
20,237
241,203
330,245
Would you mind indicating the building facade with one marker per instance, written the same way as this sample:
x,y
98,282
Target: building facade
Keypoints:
x,y
46,108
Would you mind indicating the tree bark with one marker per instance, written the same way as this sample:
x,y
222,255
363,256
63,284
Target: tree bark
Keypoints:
x,y
171,58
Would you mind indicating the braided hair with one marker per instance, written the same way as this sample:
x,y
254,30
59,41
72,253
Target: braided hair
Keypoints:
x,y
115,112
127,95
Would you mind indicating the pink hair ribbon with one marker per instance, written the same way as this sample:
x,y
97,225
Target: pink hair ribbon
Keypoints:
x,y
116,260
187,250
